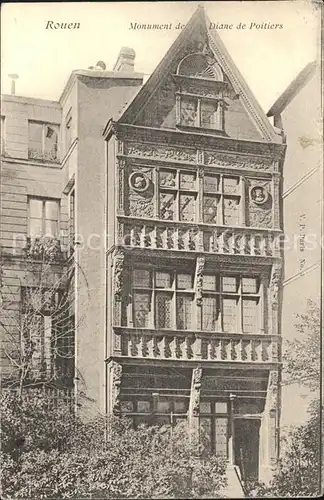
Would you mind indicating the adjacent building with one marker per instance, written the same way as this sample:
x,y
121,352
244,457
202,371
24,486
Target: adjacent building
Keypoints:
x,y
52,216
298,113
171,215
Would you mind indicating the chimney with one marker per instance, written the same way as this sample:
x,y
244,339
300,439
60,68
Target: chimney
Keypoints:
x,y
13,77
125,60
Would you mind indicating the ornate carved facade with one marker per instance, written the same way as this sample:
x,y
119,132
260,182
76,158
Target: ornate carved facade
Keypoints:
x,y
197,258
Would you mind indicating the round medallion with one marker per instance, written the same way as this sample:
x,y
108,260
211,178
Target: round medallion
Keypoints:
x,y
259,195
139,182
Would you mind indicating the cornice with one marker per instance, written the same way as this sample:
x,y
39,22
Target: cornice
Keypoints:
x,y
125,131
198,333
234,261
178,363
34,163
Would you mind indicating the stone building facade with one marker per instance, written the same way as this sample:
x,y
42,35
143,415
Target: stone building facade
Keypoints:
x,y
193,219
173,219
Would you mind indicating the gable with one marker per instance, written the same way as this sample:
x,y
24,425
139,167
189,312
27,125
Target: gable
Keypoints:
x,y
197,87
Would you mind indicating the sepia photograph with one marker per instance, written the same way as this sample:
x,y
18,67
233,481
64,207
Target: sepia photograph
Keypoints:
x,y
161,250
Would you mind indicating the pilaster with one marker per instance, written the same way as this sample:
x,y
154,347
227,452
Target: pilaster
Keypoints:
x,y
269,432
194,403
116,371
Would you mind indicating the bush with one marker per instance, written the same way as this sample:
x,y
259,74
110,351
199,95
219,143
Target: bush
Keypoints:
x,y
33,423
298,474
62,457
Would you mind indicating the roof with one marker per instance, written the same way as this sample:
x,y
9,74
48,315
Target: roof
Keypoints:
x,y
34,101
121,75
293,89
240,86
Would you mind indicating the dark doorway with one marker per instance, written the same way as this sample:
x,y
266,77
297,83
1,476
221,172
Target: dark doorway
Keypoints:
x,y
246,447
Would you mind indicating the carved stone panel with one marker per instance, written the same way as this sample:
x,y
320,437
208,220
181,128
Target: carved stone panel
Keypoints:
x,y
275,285
116,377
237,161
259,202
121,185
119,258
161,152
199,279
195,391
273,388
140,191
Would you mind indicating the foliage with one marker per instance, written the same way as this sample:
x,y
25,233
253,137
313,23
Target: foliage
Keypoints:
x,y
34,423
301,357
298,473
50,453
44,248
36,353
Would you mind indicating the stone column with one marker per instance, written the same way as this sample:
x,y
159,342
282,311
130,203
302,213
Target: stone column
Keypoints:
x,y
118,281
115,375
121,167
276,201
274,297
200,265
194,403
269,431
231,439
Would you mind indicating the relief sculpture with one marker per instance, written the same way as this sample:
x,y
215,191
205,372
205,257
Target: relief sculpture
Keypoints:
x,y
141,192
116,373
237,161
273,390
259,203
119,257
199,279
161,152
195,390
274,285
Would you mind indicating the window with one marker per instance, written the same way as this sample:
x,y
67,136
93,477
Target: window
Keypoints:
x,y
214,426
177,195
200,112
68,130
231,304
46,331
43,217
195,72
162,299
222,200
166,410
43,141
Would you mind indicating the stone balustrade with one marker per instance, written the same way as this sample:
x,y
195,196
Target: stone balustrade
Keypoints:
x,y
151,344
173,236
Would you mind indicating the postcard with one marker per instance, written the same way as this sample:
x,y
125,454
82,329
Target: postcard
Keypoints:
x,y
161,265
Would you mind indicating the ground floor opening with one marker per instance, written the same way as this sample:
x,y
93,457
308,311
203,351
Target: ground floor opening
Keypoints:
x,y
232,414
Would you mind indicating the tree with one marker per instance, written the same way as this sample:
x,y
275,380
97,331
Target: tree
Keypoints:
x,y
301,358
37,320
298,473
63,457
